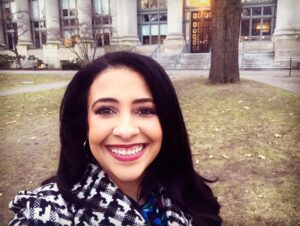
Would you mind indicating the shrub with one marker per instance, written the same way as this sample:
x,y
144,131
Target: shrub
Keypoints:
x,y
5,61
67,65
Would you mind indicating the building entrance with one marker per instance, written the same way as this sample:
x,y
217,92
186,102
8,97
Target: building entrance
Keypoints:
x,y
200,31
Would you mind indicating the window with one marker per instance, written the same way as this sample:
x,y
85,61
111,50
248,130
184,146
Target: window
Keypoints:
x,y
102,22
153,4
245,28
68,9
38,9
266,27
38,22
10,23
152,21
256,11
246,12
101,7
256,27
267,10
69,22
258,21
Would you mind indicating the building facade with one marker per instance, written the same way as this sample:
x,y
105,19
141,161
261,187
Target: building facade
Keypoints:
x,y
52,30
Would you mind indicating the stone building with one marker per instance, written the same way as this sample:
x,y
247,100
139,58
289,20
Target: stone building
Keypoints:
x,y
178,30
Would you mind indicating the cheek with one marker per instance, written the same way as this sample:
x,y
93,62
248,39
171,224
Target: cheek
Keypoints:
x,y
98,130
154,130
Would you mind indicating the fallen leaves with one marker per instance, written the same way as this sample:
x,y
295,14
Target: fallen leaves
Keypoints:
x,y
10,122
277,135
216,157
261,157
248,155
225,156
27,82
210,156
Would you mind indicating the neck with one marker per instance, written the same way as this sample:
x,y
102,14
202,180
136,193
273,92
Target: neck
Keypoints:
x,y
130,189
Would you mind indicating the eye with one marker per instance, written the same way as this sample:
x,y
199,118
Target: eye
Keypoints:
x,y
104,111
146,111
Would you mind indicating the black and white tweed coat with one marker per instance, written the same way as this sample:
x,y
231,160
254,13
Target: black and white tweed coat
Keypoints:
x,y
46,206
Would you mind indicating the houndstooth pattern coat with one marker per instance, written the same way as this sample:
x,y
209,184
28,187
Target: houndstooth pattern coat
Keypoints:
x,y
46,206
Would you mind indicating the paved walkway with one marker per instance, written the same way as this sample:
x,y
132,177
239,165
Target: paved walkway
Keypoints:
x,y
34,88
277,78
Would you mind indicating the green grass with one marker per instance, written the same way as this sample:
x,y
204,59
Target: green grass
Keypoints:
x,y
247,135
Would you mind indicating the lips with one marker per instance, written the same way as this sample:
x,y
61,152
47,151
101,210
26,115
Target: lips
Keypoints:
x,y
126,153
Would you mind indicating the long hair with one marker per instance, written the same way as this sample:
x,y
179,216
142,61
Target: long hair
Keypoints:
x,y
172,168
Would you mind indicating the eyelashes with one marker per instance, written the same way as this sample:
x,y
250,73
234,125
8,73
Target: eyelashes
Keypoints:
x,y
104,111
146,111
107,111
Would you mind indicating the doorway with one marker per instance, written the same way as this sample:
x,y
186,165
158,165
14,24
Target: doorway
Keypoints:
x,y
200,31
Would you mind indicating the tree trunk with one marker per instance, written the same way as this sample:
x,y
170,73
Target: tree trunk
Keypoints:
x,y
226,15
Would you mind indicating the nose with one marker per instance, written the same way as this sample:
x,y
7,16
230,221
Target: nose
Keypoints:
x,y
126,128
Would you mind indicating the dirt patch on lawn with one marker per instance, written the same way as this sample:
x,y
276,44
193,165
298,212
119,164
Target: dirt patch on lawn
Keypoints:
x,y
30,144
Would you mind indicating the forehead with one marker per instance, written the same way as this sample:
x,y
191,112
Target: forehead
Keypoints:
x,y
119,81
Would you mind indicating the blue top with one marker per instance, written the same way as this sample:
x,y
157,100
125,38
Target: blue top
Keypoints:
x,y
153,212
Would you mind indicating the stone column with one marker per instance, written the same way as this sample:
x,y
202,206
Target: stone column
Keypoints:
x,y
124,16
85,14
287,32
50,50
52,21
23,22
174,41
1,31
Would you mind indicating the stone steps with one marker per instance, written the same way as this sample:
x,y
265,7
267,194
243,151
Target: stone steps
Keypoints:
x,y
261,61
190,61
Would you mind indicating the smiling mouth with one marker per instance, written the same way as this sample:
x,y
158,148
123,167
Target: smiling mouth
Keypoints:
x,y
127,153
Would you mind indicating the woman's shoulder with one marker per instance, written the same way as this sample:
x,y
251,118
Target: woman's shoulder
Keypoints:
x,y
48,193
42,205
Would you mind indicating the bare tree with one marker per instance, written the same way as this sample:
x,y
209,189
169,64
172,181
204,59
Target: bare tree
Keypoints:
x,y
226,16
16,28
81,38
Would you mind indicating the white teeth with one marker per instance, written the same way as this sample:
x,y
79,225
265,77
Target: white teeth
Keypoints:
x,y
126,151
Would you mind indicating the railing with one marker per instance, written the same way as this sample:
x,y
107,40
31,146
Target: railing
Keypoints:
x,y
133,49
178,57
154,52
297,65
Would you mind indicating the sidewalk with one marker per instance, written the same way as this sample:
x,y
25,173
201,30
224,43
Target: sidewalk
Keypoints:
x,y
277,78
34,88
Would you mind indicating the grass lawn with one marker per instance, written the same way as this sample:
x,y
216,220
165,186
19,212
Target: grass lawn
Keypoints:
x,y
247,135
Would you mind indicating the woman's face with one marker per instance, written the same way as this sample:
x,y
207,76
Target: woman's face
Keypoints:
x,y
124,131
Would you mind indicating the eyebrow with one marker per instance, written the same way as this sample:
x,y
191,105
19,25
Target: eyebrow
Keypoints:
x,y
108,99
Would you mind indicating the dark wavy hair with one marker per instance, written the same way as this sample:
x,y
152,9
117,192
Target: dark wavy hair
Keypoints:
x,y
172,168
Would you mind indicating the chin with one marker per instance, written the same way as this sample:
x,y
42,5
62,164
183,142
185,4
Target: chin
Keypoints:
x,y
129,177
126,175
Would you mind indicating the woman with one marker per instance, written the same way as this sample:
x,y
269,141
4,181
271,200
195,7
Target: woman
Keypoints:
x,y
125,156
